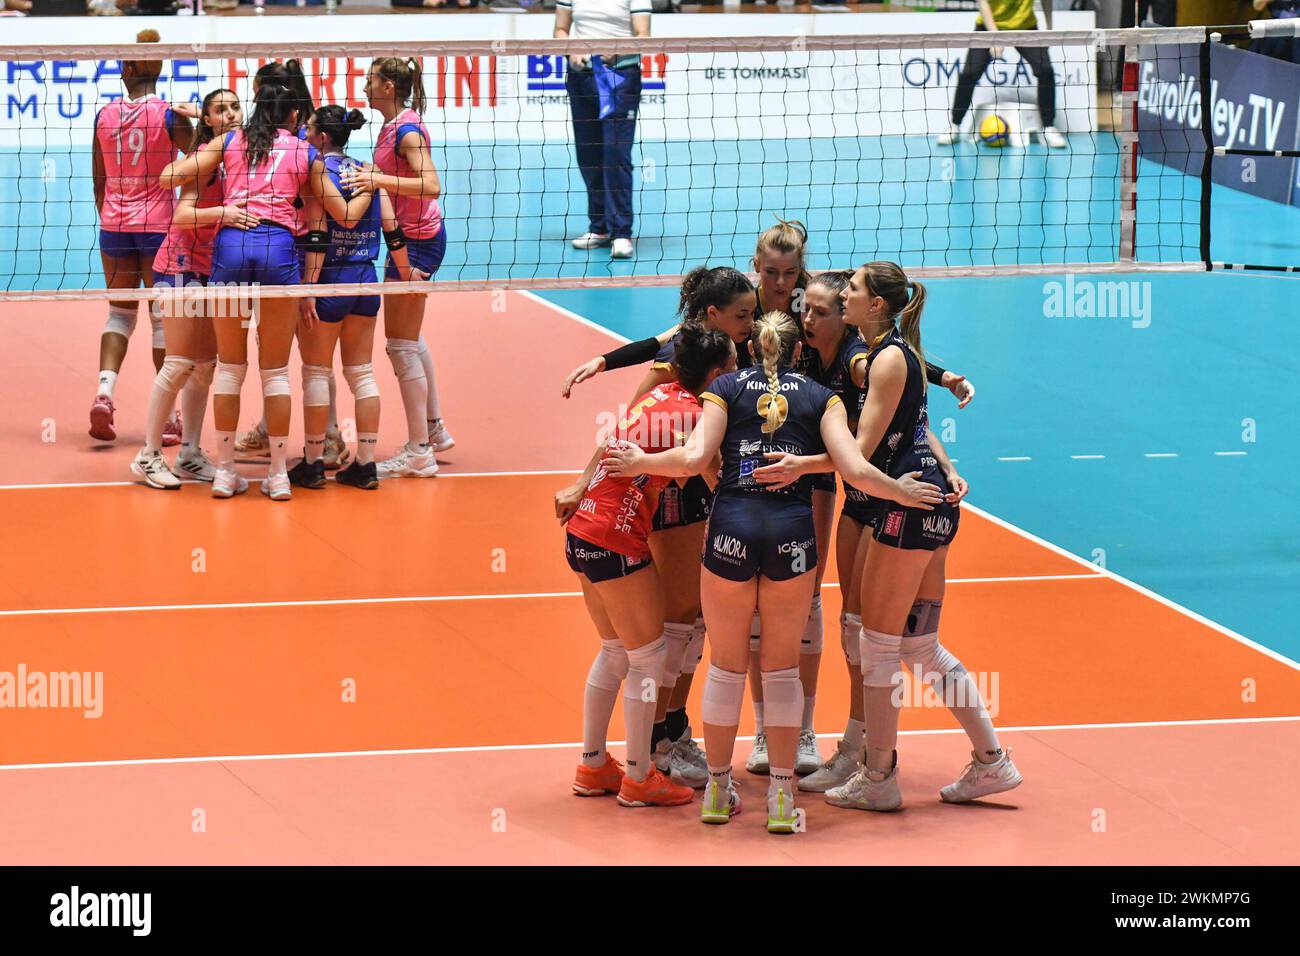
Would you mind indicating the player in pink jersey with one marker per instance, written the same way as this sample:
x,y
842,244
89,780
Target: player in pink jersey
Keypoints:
x,y
267,168
183,263
404,169
135,137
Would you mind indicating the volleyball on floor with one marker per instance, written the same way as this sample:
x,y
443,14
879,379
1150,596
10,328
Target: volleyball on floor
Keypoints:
x,y
993,131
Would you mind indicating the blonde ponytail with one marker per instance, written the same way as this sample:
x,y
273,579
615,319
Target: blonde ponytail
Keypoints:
x,y
775,334
890,282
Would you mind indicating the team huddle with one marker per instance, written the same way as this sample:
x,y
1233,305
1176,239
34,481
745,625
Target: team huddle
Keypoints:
x,y
711,510
193,201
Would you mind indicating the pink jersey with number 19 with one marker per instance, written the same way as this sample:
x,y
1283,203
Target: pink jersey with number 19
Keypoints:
x,y
135,143
271,187
420,218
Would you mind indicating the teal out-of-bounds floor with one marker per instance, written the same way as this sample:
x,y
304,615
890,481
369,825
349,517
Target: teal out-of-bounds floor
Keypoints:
x,y
1203,372
509,206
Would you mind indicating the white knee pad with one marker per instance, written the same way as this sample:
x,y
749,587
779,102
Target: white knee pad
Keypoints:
x,y
405,356
678,639
610,666
175,372
851,638
361,379
881,658
782,698
811,642
755,632
201,377
275,381
156,323
695,649
646,664
723,693
229,378
316,384
121,321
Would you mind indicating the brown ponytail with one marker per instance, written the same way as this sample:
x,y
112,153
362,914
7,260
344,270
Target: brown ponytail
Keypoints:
x,y
890,282
407,80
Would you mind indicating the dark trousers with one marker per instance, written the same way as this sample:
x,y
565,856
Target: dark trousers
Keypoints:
x,y
604,148
977,61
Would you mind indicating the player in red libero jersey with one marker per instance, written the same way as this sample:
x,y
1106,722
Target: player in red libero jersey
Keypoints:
x,y
607,544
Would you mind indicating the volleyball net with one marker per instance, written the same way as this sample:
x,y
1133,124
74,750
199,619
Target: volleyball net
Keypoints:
x,y
843,133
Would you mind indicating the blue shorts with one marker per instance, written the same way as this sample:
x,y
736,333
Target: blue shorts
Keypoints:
x,y
120,245
752,533
163,280
912,529
680,506
264,254
824,482
424,254
337,308
861,507
598,564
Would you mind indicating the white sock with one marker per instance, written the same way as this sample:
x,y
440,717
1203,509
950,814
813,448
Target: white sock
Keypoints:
x,y
279,454
603,680
721,775
644,675
414,393
780,779
107,382
226,449
809,705
431,402
156,414
332,426
194,405
853,733
758,716
315,447
366,442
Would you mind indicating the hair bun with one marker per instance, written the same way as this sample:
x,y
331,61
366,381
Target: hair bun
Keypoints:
x,y
355,120
148,36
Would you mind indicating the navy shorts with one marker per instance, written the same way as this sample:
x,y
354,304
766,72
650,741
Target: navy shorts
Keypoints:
x,y
912,529
337,308
824,482
752,533
163,280
119,245
598,564
424,254
680,506
264,254
861,507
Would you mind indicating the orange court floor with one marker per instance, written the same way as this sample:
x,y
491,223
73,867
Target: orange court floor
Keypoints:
x,y
396,676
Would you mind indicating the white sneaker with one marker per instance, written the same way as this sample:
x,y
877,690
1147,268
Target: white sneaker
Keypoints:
x,y
152,467
949,136
439,438
860,792
782,817
982,779
194,465
690,751
719,805
227,483
807,758
757,762
670,762
623,249
277,487
254,443
833,772
590,240
1053,137
409,464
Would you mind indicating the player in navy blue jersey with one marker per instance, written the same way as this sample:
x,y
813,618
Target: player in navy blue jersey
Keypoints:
x,y
721,299
336,254
761,548
902,573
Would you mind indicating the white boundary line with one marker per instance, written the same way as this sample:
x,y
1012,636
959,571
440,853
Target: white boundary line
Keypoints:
x,y
433,751
1158,598
428,599
580,319
190,481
